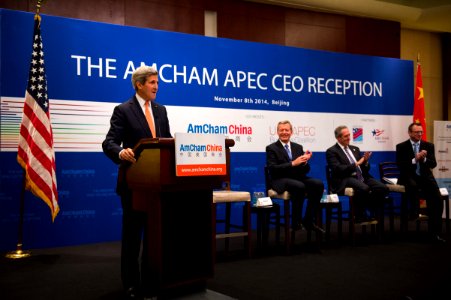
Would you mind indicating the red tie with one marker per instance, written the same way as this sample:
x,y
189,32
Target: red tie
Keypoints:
x,y
149,118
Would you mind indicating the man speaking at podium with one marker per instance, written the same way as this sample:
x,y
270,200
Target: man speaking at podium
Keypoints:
x,y
137,118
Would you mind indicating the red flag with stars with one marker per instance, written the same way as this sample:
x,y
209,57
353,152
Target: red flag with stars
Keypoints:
x,y
418,104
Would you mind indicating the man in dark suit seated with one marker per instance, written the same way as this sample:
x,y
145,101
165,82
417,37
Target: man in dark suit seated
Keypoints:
x,y
288,166
351,169
416,159
137,118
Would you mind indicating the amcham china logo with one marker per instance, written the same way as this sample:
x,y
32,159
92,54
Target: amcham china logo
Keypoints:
x,y
233,131
219,129
199,150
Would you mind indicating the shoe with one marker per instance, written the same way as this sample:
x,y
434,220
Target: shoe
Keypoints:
x,y
438,240
418,217
361,219
414,217
314,227
423,217
296,226
365,221
318,228
131,293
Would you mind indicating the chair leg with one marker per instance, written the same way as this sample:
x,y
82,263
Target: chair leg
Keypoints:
x,y
247,225
340,222
309,236
351,221
332,210
380,226
404,214
259,229
227,224
319,235
265,230
328,212
213,215
392,217
286,212
446,199
278,227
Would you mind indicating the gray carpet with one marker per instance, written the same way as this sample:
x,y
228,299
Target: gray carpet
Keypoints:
x,y
403,267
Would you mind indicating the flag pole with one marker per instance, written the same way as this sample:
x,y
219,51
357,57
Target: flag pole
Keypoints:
x,y
19,252
38,8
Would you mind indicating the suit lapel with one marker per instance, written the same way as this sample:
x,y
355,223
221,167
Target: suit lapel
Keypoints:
x,y
422,146
353,151
295,150
342,155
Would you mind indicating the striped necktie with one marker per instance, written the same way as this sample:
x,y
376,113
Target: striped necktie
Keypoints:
x,y
351,158
416,149
287,148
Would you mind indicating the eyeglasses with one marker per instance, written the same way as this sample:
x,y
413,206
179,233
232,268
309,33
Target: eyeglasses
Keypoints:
x,y
417,132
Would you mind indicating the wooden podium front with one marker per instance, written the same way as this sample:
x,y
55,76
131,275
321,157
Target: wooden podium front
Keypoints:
x,y
180,225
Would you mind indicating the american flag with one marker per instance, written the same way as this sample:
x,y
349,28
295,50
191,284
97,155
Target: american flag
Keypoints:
x,y
36,154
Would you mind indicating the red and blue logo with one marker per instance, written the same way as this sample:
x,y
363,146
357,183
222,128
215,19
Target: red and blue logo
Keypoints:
x,y
377,132
357,134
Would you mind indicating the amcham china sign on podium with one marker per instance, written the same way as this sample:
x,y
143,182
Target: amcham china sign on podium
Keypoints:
x,y
200,154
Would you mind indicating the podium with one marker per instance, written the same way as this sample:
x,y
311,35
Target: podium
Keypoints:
x,y
180,226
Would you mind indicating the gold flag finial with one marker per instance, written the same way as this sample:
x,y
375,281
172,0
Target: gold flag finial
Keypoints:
x,y
38,8
418,57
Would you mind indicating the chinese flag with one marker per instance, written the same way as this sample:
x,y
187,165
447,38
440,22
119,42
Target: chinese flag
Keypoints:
x,y
418,103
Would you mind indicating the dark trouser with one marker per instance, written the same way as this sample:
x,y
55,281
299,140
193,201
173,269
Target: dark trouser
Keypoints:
x,y
426,188
308,187
369,194
133,224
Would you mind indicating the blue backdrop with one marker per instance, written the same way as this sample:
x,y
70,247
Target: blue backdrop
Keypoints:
x,y
91,63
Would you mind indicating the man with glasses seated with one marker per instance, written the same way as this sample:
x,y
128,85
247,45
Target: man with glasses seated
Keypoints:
x,y
416,159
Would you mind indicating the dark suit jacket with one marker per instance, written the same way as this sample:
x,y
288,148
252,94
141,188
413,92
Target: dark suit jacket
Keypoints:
x,y
342,168
279,164
404,156
128,125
